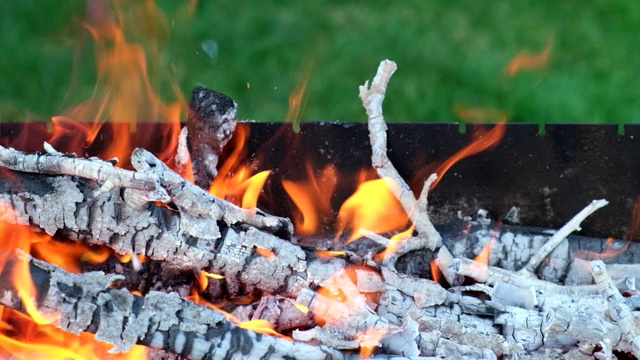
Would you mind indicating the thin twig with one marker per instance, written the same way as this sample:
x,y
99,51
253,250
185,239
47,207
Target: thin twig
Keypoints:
x,y
618,308
372,97
568,228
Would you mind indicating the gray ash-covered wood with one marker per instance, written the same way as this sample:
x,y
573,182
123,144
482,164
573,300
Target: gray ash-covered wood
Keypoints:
x,y
86,302
158,232
211,124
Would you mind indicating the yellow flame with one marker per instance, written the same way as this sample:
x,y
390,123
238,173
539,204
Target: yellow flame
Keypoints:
x,y
373,207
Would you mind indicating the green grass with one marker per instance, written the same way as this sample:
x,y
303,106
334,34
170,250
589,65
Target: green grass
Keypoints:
x,y
448,54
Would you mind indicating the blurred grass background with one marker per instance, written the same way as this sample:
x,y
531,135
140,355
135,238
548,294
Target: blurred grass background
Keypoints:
x,y
450,55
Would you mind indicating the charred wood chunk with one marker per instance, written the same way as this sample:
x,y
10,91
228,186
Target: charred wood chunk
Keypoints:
x,y
211,124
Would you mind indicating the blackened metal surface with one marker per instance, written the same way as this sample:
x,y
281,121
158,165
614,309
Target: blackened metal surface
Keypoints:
x,y
549,177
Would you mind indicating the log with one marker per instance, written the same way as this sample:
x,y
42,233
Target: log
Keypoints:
x,y
86,302
210,125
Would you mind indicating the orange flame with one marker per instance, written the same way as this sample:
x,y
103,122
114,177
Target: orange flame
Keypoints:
x,y
328,254
123,92
435,271
29,336
23,339
481,141
373,207
370,339
483,255
394,243
481,261
313,198
525,60
66,254
234,181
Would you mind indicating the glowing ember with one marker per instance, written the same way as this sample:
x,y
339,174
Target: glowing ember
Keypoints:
x,y
527,61
373,207
611,248
313,199
265,252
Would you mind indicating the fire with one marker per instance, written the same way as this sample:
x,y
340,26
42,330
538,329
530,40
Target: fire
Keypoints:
x,y
482,140
394,243
479,114
202,279
610,249
212,275
24,339
313,198
123,93
265,252
370,339
481,261
328,254
30,336
527,61
373,207
262,326
435,271
235,181
303,309
483,256
67,255
258,325
296,99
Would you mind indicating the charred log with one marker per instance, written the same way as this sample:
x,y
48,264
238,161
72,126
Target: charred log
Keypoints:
x,y
211,124
85,302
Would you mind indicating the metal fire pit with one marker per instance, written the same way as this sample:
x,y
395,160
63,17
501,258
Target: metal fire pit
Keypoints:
x,y
547,177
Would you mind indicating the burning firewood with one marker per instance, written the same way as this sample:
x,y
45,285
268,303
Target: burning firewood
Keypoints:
x,y
334,300
85,302
211,123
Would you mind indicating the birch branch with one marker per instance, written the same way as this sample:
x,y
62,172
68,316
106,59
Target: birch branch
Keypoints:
x,y
568,228
618,308
372,97
86,302
154,181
